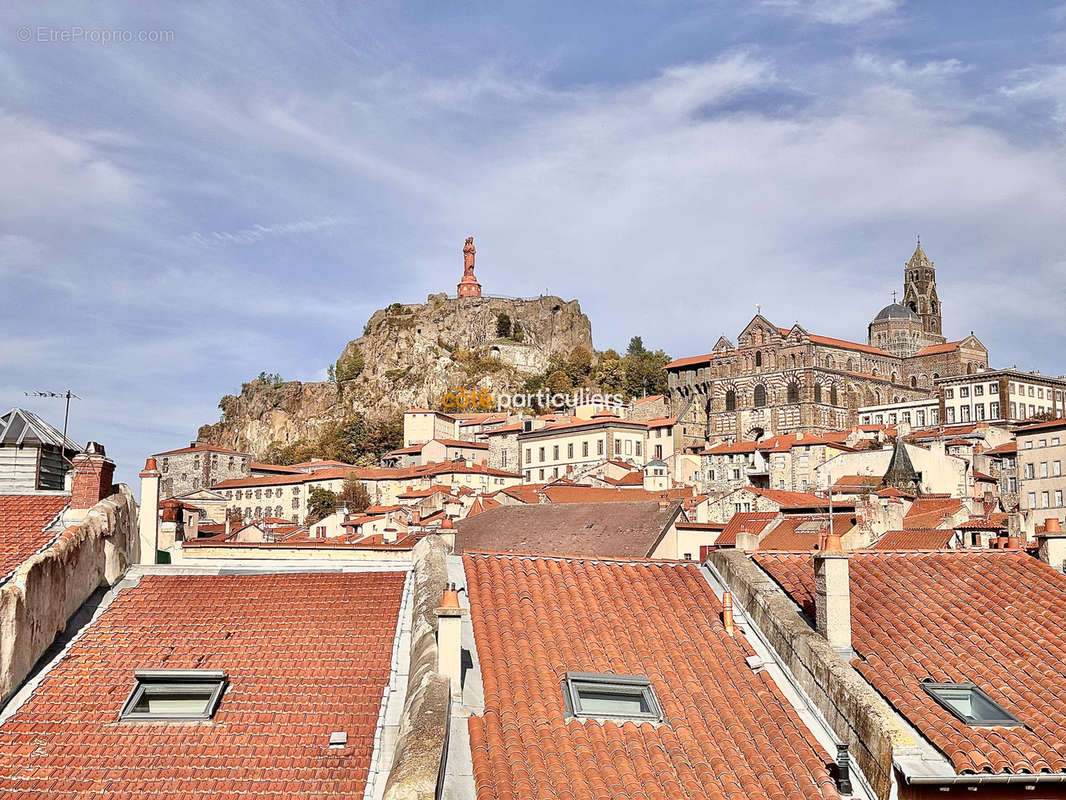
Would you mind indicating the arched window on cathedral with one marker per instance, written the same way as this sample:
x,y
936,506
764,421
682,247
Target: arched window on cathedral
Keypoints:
x,y
833,396
817,392
895,377
793,358
851,365
758,358
936,375
760,396
731,400
913,306
914,381
793,392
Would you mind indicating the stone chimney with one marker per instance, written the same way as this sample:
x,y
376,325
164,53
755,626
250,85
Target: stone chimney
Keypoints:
x,y
746,540
1052,544
93,479
449,628
832,589
148,516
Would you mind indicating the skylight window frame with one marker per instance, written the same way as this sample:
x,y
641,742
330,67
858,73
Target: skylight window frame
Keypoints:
x,y
1008,720
628,685
174,681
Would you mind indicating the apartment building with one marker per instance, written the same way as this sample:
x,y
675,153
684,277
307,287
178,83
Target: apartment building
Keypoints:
x,y
1002,394
916,413
558,447
1041,454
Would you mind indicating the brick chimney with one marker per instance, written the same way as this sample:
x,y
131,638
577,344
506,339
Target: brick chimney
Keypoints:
x,y
832,590
94,473
148,514
1052,544
449,647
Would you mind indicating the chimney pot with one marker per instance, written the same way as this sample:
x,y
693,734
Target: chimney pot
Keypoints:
x,y
727,612
1052,525
450,598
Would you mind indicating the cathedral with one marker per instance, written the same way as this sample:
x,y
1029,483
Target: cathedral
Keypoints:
x,y
787,380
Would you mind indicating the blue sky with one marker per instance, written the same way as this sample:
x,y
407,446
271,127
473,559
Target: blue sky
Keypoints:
x,y
180,215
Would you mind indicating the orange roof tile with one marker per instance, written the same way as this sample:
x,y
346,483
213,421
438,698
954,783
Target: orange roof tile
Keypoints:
x,y
933,349
930,511
296,673
802,532
23,518
915,539
752,521
980,616
729,732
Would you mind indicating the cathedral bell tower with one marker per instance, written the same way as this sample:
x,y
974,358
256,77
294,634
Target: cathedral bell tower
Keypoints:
x,y
919,291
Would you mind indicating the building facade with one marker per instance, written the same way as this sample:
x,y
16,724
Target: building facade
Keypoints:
x,y
784,380
999,395
198,466
1041,454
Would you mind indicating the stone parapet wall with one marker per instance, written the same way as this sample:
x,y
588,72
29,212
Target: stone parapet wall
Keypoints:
x,y
857,714
46,590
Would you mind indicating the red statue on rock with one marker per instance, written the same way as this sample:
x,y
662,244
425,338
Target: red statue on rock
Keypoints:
x,y
468,286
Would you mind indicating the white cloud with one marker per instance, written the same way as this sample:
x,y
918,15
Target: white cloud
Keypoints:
x,y
835,12
257,232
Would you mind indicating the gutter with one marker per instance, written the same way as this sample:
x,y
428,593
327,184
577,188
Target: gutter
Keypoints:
x,y
1000,778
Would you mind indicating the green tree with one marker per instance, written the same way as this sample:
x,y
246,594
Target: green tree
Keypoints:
x,y
516,332
320,504
578,364
353,494
559,383
349,366
644,373
636,347
503,326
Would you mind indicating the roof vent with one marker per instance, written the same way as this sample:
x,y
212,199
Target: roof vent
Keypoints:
x,y
843,769
755,662
95,449
338,739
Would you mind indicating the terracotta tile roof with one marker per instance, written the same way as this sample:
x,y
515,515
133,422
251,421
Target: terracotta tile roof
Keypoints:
x,y
296,673
829,341
753,521
23,518
793,499
661,422
915,539
649,399
933,349
996,521
728,731
1007,448
851,484
984,476
607,494
980,616
801,532
931,511
271,467
202,448
1036,426
612,530
463,443
635,478
691,361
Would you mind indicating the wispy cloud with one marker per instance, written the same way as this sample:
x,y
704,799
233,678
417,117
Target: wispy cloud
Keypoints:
x,y
258,232
835,12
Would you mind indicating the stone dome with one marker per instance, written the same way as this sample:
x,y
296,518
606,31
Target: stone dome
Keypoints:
x,y
895,311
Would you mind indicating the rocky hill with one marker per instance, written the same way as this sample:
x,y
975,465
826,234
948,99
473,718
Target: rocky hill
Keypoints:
x,y
408,355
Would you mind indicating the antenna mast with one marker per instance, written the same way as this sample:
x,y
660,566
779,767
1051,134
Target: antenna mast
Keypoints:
x,y
68,394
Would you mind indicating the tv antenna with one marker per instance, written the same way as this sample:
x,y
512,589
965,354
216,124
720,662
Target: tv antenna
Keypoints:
x,y
66,414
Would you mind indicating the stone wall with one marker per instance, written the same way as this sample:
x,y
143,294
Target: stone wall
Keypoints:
x,y
849,704
420,750
46,590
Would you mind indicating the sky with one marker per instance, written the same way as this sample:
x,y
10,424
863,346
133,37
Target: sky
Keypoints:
x,y
195,194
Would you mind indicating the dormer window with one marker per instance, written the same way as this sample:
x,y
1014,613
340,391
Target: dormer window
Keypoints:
x,y
174,694
971,705
593,695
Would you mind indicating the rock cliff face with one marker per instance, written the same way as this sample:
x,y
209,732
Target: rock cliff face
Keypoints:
x,y
412,355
